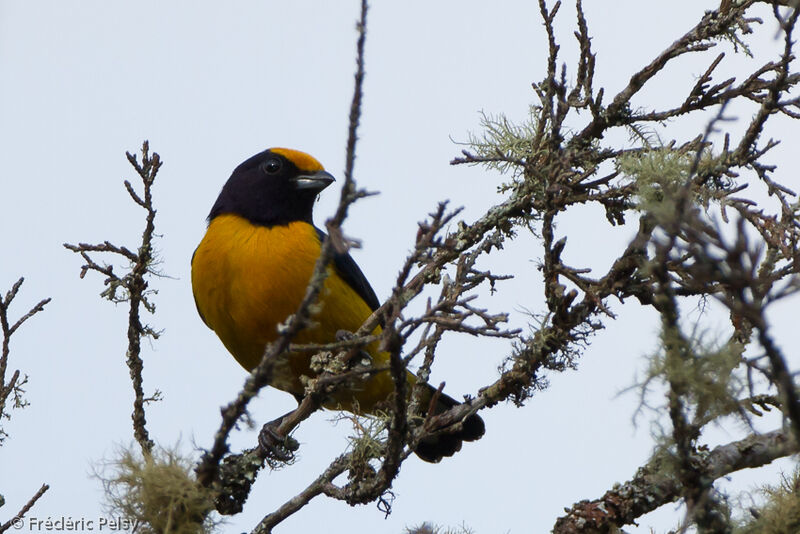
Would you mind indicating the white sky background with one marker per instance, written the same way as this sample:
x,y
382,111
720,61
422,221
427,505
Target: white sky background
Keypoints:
x,y
210,84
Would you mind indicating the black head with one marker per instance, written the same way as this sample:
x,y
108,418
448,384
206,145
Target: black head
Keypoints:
x,y
277,186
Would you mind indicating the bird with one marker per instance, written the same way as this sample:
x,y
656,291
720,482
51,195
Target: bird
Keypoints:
x,y
250,273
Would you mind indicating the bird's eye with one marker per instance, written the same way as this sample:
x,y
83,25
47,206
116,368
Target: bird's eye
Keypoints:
x,y
272,166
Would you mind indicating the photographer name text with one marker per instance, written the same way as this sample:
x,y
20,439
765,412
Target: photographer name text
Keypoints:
x,y
70,524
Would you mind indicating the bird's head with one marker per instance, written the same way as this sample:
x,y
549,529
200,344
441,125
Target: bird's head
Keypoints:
x,y
277,186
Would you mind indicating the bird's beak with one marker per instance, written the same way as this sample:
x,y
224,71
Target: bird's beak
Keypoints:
x,y
316,181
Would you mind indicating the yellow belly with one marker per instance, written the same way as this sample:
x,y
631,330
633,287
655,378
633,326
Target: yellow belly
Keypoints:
x,y
248,279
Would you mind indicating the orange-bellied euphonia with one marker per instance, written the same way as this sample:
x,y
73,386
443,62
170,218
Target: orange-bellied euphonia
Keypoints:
x,y
250,273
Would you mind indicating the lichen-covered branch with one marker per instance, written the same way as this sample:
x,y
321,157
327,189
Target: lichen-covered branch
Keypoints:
x,y
13,386
132,287
653,486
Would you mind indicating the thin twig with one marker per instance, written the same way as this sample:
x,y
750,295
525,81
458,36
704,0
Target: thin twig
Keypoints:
x,y
134,285
16,521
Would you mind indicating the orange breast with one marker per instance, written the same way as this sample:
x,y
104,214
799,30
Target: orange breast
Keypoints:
x,y
248,279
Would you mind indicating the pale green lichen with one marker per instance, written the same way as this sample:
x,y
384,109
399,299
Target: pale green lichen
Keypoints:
x,y
503,141
780,512
158,493
665,175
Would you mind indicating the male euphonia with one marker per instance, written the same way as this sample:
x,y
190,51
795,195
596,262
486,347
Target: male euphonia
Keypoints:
x,y
250,273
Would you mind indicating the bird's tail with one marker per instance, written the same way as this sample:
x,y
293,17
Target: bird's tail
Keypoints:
x,y
434,448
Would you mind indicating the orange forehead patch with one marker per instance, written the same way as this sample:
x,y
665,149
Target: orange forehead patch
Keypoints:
x,y
303,161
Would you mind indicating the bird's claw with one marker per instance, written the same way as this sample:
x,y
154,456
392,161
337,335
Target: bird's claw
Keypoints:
x,y
276,446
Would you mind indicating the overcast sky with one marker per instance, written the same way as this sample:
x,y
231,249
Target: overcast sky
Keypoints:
x,y
212,83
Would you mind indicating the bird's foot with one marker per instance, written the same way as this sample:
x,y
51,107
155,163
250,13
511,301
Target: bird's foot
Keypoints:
x,y
274,445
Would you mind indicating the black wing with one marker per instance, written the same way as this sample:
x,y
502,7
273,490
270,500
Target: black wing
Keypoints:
x,y
348,270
